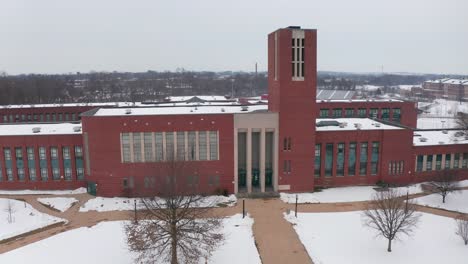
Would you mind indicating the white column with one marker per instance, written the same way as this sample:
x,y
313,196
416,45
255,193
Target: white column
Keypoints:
x,y
249,160
424,163
236,153
262,160
275,159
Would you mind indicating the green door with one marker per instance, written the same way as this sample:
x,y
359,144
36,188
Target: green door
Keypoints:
x,y
92,188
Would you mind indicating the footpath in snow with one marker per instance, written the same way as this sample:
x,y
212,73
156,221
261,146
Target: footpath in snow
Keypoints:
x,y
336,238
105,243
37,192
25,219
59,203
103,204
343,194
457,201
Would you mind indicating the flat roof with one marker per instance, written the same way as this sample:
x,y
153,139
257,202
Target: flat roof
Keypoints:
x,y
180,110
438,137
23,129
359,100
349,124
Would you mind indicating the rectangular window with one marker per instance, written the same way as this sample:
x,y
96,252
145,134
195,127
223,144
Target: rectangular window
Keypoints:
x,y
438,161
447,161
352,159
323,112
66,152
429,163
80,173
375,158
30,151
328,159
213,145
373,113
32,174
170,146
56,173
419,163
191,145
44,174
53,152
362,112
317,160
349,112
386,113
148,144
158,142
337,112
126,147
286,166
68,174
202,145
78,151
396,115
465,161
19,153
7,154
9,173
180,145
363,159
340,159
402,166
456,161
21,174
213,181
137,157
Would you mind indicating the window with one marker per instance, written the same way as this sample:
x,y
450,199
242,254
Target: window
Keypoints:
x,y
447,161
349,112
328,159
402,166
18,153
213,145
7,154
213,181
340,159
438,161
202,145
465,161
150,182
419,163
56,173
126,147
21,174
429,163
396,115
287,166
323,112
53,152
386,113
78,151
287,143
317,160
180,145
191,145
148,145
373,113
32,174
44,174
42,153
30,151
362,112
66,152
67,117
9,173
137,147
170,146
337,112
456,161
352,159
192,181
158,142
375,158
297,58
80,173
363,159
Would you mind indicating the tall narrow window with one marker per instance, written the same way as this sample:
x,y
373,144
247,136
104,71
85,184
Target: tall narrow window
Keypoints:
x,y
137,157
180,145
67,163
447,161
297,50
349,112
126,147
328,159
465,161
362,112
337,112
363,159
43,163
340,159
317,160
324,112
158,137
19,163
213,145
429,163
148,145
396,115
79,162
170,146
55,163
456,161
419,163
386,113
352,159
438,161
375,158
373,113
202,155
191,145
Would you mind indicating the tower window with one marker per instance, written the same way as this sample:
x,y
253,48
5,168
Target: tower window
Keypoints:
x,y
297,49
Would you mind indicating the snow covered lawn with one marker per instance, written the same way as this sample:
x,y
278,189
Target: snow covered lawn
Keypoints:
x,y
336,238
342,194
60,203
454,201
105,243
31,192
102,204
25,217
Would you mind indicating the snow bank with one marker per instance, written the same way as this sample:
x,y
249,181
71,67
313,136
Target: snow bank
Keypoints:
x,y
25,219
336,238
103,204
60,203
105,243
342,194
53,192
453,202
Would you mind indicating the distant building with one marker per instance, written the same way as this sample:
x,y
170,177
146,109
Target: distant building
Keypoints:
x,y
453,89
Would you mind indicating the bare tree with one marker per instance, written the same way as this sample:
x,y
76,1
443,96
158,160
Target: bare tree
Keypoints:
x,y
10,210
178,226
443,183
462,122
462,228
390,215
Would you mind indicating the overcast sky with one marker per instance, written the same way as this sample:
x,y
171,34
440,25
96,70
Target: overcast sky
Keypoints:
x,y
59,36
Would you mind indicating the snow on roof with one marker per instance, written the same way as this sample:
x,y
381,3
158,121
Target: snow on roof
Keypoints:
x,y
438,137
22,129
323,94
341,124
449,81
185,110
116,104
201,97
360,100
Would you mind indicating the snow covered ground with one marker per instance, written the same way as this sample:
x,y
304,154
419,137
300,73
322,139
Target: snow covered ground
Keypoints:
x,y
25,219
444,108
454,201
32,192
60,203
336,238
105,243
342,194
103,204
436,123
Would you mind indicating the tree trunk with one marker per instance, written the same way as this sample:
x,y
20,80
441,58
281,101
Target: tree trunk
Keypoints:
x,y
443,198
174,244
389,249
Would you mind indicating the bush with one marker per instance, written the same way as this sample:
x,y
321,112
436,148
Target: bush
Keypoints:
x,y
382,184
221,191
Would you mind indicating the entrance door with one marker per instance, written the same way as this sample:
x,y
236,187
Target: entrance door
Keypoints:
x,y
92,188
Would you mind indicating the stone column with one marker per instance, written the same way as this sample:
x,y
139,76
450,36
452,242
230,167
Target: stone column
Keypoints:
x,y
236,160
249,160
262,160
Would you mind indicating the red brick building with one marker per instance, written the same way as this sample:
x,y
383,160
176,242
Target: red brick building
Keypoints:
x,y
293,144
